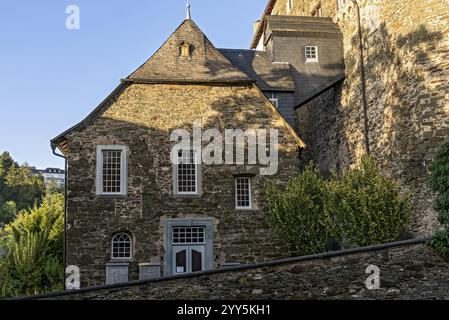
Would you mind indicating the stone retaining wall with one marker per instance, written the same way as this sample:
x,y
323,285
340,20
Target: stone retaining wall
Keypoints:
x,y
408,270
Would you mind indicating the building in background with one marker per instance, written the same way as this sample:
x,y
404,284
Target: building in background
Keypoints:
x,y
52,175
390,99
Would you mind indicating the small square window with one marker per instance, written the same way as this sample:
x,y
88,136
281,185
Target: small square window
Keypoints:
x,y
311,53
274,100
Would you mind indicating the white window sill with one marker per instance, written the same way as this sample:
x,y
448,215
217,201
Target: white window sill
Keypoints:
x,y
187,195
116,261
112,195
245,209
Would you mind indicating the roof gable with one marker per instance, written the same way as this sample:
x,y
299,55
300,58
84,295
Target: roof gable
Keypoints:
x,y
204,63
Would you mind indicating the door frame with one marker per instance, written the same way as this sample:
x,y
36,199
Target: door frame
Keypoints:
x,y
208,223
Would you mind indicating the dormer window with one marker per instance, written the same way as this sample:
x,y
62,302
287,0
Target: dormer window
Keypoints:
x,y
311,53
185,49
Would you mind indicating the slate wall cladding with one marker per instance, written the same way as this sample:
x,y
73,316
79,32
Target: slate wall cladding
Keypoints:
x,y
406,45
406,272
142,117
288,40
285,106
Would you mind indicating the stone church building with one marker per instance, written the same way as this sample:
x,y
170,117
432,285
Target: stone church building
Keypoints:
x,y
347,77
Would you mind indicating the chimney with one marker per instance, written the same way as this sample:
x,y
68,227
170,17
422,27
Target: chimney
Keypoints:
x,y
255,26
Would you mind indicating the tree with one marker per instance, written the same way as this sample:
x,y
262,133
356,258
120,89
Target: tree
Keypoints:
x,y
359,207
368,208
300,212
5,163
439,182
19,188
8,211
34,242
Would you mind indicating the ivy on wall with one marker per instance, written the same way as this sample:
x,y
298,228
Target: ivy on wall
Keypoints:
x,y
439,182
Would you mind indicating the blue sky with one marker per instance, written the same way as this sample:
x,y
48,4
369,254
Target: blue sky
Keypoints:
x,y
52,77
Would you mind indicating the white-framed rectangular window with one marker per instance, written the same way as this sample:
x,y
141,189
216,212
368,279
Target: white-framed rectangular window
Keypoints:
x,y
274,100
187,180
289,4
311,53
243,193
111,175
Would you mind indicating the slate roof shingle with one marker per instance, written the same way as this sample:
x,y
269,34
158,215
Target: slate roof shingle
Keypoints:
x,y
307,25
205,64
257,66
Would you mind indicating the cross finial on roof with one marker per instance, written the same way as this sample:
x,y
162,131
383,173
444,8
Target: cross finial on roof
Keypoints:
x,y
188,17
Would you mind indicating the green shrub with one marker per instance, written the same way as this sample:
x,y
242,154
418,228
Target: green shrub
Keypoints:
x,y
439,182
367,207
299,212
34,242
7,211
360,207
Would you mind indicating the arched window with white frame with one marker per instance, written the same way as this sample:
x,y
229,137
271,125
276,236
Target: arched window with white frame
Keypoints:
x,y
121,246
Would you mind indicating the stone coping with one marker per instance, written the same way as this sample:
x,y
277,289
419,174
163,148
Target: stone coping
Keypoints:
x,y
312,257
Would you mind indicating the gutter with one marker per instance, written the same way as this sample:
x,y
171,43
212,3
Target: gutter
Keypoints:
x,y
64,251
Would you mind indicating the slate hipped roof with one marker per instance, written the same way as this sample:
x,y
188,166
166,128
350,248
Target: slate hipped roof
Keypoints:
x,y
204,64
257,65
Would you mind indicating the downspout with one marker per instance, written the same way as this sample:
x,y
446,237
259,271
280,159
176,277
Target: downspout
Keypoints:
x,y
363,77
64,255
